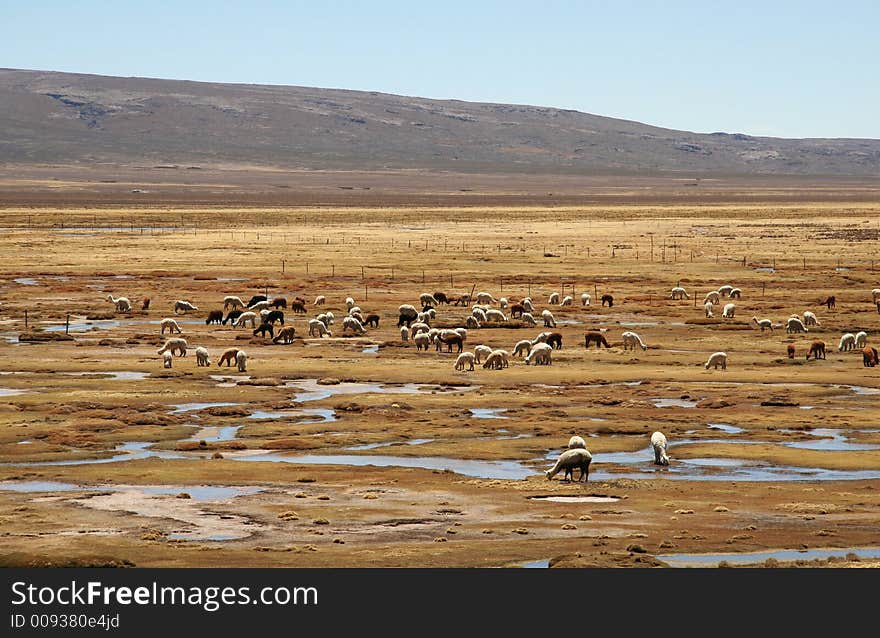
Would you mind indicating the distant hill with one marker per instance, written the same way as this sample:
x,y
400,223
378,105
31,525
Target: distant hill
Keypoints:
x,y
58,118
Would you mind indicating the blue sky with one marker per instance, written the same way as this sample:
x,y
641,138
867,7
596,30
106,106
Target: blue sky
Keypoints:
x,y
790,69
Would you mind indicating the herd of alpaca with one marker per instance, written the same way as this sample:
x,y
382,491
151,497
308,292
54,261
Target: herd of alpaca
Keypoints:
x,y
415,325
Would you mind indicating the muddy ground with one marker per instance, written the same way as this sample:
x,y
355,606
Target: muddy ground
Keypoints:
x,y
361,451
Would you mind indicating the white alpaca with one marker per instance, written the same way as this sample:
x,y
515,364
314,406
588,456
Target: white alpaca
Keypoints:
x,y
355,310
418,326
541,338
326,318
725,290
503,302
350,323
810,319
482,352
479,315
527,304
233,301
122,303
658,442
729,311
184,307
472,323
317,328
735,293
567,300
708,307
485,297
423,317
875,295
241,361
763,324
847,342
577,442
349,302
260,305
404,333
202,357
630,339
717,359
320,300
174,346
714,297
427,299
170,325
167,358
522,348
505,357
465,359
794,324
554,299
680,293
570,460
244,317
861,339
495,315
461,332
541,354
528,319
585,299
422,341
549,320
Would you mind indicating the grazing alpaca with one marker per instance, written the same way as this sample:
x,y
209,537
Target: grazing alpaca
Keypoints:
x,y
847,342
298,307
527,304
318,329
817,350
273,316
725,290
810,319
465,359
736,293
174,346
549,319
516,311
522,348
408,314
658,442
422,341
577,442
528,319
554,299
495,361
352,324
680,293
427,299
554,340
717,359
485,298
540,354
244,317
202,357
479,314
181,306
481,352
285,335
729,311
256,299
713,297
831,302
791,350
241,361
320,300
122,303
595,337
404,333
608,299
228,357
232,317
875,295
861,339
493,315
170,325
326,318
167,358
794,324
630,339
373,321
567,301
349,303
569,460
441,298
263,329
215,316
233,301
707,307
259,306
145,304
585,299
279,302
450,340
870,357
763,324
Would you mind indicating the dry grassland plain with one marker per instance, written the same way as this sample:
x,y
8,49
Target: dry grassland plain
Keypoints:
x,y
362,451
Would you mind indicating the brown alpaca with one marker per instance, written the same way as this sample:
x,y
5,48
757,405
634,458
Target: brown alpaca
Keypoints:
x,y
146,304
817,350
831,302
609,299
285,335
596,337
228,356
791,351
215,316
372,321
279,302
297,307
450,341
516,310
870,357
263,329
